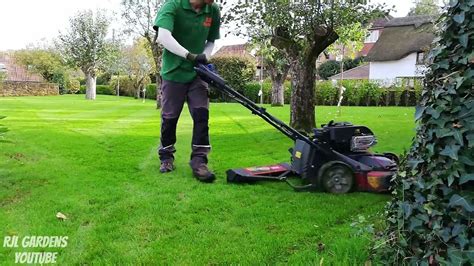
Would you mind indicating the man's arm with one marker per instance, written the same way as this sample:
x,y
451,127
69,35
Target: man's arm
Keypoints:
x,y
208,49
169,42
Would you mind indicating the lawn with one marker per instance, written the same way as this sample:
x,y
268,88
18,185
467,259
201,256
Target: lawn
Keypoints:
x,y
96,162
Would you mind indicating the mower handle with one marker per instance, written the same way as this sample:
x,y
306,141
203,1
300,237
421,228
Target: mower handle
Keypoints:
x,y
212,78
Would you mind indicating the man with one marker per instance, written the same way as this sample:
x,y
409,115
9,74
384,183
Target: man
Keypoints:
x,y
187,29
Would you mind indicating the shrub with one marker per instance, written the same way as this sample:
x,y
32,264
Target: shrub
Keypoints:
x,y
103,79
326,93
127,85
372,92
236,70
105,90
329,68
151,91
397,94
430,217
60,77
251,91
73,86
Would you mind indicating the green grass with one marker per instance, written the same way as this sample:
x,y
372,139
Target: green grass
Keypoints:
x,y
96,162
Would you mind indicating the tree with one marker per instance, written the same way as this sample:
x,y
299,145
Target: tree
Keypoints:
x,y
44,62
430,219
350,42
303,30
275,61
85,46
425,7
139,16
139,64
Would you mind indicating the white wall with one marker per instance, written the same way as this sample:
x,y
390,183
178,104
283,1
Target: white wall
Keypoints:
x,y
388,71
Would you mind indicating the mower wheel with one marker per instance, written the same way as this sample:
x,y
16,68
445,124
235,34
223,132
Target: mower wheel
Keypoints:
x,y
338,179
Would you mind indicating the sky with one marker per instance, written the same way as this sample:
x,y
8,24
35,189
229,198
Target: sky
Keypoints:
x,y
26,22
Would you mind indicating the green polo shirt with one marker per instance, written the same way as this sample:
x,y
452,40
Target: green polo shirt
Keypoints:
x,y
191,29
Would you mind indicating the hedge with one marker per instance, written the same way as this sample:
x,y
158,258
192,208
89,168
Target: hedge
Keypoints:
x,y
236,70
100,89
357,93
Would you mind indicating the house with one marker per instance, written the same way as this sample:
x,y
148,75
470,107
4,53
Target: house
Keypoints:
x,y
375,31
235,49
401,49
15,72
360,72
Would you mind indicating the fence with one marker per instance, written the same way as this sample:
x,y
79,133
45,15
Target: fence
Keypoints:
x,y
27,88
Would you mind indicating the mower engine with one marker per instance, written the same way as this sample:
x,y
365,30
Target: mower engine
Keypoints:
x,y
342,162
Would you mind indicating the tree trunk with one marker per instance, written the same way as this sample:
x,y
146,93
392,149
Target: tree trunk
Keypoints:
x,y
278,92
157,51
118,85
302,95
90,86
278,77
158,90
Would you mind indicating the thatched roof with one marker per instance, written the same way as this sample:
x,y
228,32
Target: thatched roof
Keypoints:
x,y
235,49
403,36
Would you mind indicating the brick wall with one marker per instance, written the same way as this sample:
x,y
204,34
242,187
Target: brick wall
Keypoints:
x,y
27,88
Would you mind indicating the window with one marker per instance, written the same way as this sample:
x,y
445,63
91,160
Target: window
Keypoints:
x,y
373,37
420,58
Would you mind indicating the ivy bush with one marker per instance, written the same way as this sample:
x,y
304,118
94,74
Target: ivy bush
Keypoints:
x,y
430,219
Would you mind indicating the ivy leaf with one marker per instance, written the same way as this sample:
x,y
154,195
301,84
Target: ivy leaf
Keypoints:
x,y
458,137
419,112
458,228
433,112
463,39
458,201
414,222
470,140
462,240
459,18
466,160
451,151
455,256
407,209
466,178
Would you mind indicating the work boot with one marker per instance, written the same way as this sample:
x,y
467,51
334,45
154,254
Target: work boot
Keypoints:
x,y
202,173
166,166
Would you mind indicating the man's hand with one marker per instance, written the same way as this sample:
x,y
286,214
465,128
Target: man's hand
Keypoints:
x,y
197,58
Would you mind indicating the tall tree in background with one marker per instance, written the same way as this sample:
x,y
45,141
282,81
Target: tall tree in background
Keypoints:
x,y
303,30
430,220
84,45
276,62
139,16
425,7
139,64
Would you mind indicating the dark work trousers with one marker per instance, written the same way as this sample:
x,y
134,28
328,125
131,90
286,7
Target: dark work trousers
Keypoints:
x,y
173,96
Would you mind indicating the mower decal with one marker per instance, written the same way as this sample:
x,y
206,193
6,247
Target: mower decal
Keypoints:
x,y
374,181
298,154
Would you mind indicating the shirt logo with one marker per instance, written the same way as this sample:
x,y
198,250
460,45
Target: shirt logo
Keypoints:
x,y
207,22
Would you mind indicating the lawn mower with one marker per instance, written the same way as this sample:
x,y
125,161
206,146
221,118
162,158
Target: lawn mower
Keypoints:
x,y
335,159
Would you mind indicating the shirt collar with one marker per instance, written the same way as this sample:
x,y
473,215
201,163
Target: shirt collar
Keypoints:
x,y
187,5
